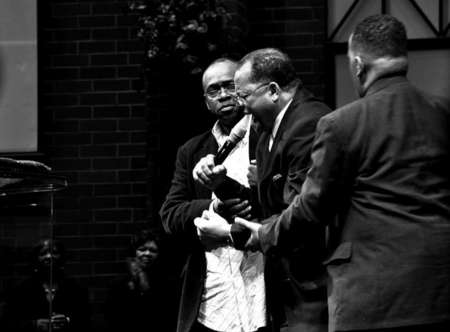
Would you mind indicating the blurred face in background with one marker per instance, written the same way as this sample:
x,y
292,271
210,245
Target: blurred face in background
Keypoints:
x,y
147,254
218,88
48,256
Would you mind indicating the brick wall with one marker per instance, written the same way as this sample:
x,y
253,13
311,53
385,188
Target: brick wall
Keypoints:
x,y
94,133
93,130
115,144
298,28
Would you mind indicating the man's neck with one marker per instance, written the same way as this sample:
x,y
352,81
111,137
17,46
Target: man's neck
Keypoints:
x,y
224,128
382,67
285,98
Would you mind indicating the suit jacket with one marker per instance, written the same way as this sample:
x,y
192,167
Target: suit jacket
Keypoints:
x,y
295,288
185,201
381,165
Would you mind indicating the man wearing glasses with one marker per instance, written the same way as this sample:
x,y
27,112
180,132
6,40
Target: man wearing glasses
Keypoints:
x,y
268,87
223,288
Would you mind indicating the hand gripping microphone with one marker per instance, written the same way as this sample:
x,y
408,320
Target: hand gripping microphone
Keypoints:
x,y
237,133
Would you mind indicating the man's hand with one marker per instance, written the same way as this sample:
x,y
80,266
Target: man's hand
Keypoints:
x,y
234,207
253,243
212,230
208,174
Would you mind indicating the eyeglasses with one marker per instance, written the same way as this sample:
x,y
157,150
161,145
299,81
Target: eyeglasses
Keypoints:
x,y
214,90
242,98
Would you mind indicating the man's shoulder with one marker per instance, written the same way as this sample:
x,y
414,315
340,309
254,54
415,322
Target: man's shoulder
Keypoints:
x,y
306,112
304,99
346,111
436,101
198,141
346,118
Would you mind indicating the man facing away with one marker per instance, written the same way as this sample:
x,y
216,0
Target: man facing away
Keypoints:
x,y
380,164
223,288
268,87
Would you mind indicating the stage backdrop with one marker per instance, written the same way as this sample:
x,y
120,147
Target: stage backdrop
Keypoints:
x,y
18,76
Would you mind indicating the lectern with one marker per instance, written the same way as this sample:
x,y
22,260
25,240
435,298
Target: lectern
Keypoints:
x,y
27,193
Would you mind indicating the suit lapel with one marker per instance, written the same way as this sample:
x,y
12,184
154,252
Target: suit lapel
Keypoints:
x,y
252,142
209,147
268,158
262,156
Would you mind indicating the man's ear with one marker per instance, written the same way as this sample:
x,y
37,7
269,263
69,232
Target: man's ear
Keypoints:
x,y
274,89
360,66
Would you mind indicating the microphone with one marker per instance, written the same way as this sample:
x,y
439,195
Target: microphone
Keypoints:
x,y
237,133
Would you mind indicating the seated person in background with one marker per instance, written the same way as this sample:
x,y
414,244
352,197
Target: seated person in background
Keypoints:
x,y
143,299
48,297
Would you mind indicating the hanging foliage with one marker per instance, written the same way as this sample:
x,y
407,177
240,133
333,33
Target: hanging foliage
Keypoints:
x,y
186,33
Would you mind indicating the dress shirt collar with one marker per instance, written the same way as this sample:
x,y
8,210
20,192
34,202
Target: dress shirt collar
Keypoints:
x,y
279,117
278,120
384,81
218,133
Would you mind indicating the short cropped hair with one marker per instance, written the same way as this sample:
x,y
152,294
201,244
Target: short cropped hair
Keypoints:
x,y
271,64
380,35
219,60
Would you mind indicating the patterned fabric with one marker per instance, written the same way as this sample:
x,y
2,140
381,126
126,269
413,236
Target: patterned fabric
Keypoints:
x,y
234,298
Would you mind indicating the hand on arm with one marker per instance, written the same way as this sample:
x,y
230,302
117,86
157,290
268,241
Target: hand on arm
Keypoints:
x,y
253,243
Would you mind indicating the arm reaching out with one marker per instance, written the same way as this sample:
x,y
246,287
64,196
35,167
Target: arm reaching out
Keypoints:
x,y
253,241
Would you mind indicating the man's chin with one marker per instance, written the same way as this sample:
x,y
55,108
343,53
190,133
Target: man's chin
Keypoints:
x,y
230,119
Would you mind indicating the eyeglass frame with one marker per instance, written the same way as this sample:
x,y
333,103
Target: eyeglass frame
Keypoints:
x,y
243,99
219,91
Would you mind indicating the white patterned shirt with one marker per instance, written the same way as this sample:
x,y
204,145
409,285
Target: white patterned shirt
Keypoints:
x,y
234,297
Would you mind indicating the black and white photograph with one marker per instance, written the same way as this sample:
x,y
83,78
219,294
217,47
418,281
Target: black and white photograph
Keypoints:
x,y
224,165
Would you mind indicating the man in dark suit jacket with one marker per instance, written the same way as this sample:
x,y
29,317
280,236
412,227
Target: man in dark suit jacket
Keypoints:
x,y
381,165
187,199
267,85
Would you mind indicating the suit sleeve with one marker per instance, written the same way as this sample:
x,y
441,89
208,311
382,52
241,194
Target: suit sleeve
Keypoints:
x,y
299,151
182,204
318,200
